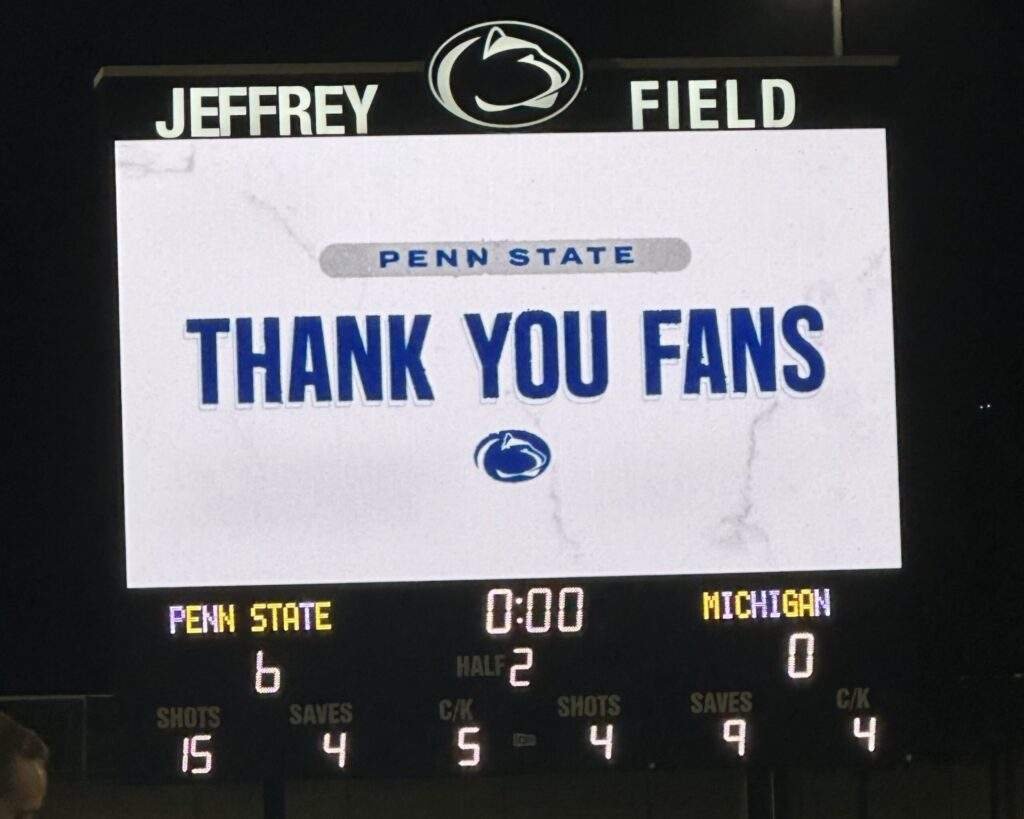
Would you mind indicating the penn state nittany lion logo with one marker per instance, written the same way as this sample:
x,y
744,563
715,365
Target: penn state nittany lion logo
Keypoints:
x,y
512,455
505,74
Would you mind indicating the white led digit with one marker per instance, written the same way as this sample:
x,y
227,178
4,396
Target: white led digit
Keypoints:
x,y
190,751
796,669
513,672
473,747
341,749
268,678
869,734
577,623
735,731
545,624
506,622
606,741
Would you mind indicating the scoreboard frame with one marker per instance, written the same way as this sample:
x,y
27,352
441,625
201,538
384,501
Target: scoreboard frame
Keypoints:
x,y
836,92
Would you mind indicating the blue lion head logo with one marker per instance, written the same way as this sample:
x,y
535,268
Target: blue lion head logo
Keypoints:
x,y
512,455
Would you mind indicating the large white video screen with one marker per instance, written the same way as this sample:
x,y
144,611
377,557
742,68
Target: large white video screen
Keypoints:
x,y
494,356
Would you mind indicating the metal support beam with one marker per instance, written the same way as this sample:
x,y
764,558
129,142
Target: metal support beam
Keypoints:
x,y
761,796
837,28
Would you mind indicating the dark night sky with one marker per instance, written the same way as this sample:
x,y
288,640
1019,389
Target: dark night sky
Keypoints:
x,y
958,269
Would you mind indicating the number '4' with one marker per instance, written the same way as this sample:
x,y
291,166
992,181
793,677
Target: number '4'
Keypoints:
x,y
341,749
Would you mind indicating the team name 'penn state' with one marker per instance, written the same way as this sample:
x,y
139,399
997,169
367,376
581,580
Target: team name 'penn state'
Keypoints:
x,y
374,358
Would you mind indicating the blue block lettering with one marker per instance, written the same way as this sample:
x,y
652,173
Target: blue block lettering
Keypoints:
x,y
803,348
571,255
269,361
702,335
598,355
208,330
760,349
405,357
365,355
545,253
488,350
524,354
308,346
654,351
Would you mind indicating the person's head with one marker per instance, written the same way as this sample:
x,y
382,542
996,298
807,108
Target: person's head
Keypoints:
x,y
23,757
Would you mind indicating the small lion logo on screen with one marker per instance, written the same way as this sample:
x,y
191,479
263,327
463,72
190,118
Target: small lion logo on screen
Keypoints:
x,y
505,74
512,455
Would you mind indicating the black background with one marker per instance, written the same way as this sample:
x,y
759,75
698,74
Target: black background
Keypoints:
x,y
60,564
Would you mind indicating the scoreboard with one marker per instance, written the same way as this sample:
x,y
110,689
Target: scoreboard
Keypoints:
x,y
467,678
507,411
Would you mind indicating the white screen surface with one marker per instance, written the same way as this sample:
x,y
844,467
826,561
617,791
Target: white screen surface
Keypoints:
x,y
633,484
